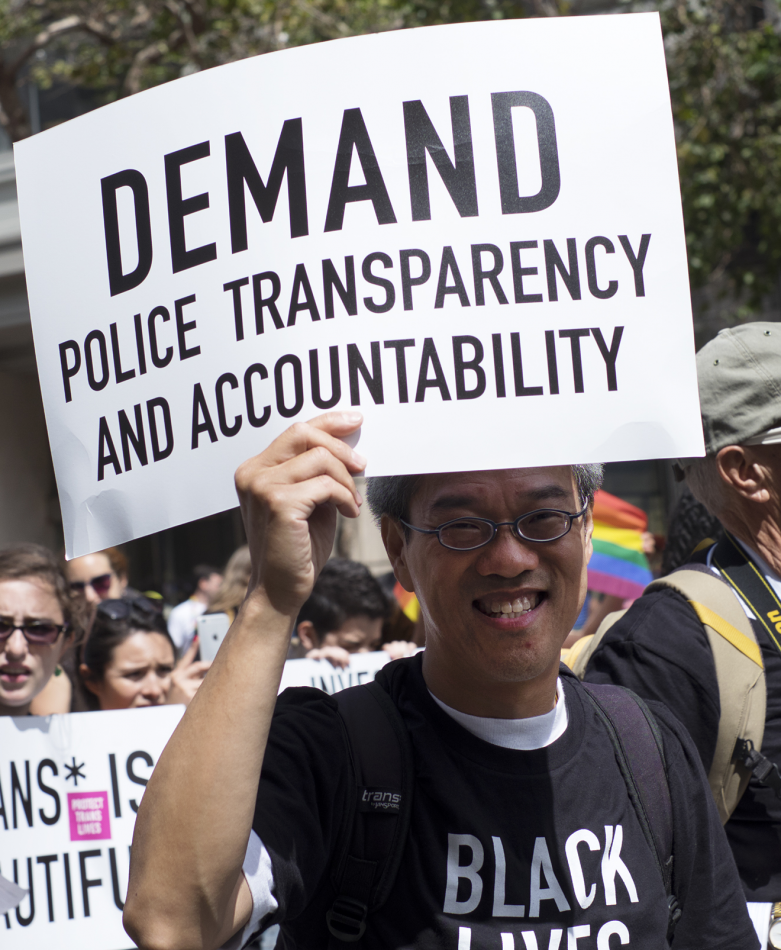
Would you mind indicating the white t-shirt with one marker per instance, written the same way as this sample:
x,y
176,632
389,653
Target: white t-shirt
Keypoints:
x,y
183,622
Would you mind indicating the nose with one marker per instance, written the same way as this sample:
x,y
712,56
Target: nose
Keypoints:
x,y
153,689
91,595
16,645
507,556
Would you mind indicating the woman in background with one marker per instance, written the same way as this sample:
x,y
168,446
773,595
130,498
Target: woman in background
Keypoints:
x,y
128,660
39,620
99,576
233,589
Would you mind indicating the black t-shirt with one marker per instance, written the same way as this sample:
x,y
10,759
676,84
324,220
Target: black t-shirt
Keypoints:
x,y
537,850
660,650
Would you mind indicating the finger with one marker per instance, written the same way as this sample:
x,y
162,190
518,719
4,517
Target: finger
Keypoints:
x,y
321,490
315,462
198,669
189,654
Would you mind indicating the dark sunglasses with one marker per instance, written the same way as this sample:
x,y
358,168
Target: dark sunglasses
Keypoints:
x,y
34,631
99,584
122,609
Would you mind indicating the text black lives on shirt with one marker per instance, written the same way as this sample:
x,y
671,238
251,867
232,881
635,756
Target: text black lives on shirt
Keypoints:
x,y
136,348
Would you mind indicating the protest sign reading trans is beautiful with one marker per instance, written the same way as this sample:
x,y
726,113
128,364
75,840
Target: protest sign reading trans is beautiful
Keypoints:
x,y
472,233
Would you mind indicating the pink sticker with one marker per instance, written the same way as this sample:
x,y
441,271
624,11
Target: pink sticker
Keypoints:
x,y
88,812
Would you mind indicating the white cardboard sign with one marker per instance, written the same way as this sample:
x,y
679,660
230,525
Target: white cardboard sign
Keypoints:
x,y
473,233
69,790
320,674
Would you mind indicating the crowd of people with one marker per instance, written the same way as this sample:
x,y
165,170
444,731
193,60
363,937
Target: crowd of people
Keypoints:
x,y
682,795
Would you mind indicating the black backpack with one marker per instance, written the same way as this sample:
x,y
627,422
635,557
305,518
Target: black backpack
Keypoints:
x,y
365,867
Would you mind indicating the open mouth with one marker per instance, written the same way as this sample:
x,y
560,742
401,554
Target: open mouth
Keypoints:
x,y
498,607
10,674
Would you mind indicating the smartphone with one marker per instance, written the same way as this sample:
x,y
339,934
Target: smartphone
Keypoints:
x,y
211,632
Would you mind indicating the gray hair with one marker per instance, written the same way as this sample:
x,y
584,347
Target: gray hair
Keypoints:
x,y
391,494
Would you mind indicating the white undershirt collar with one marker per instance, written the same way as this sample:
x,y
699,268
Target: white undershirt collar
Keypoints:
x,y
537,732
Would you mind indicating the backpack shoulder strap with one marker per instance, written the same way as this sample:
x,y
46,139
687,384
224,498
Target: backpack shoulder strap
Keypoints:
x,y
581,651
739,673
639,751
367,861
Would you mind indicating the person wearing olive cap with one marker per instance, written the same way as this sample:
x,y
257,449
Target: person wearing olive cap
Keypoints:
x,y
659,648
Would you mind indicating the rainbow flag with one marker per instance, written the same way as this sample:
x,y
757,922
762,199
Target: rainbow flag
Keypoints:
x,y
407,601
618,565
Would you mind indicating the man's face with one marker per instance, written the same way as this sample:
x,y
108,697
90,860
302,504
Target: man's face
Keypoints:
x,y
359,634
461,591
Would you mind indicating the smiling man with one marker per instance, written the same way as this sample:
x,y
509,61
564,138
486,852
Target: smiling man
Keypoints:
x,y
522,832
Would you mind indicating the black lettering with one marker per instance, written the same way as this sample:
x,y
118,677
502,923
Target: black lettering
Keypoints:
x,y
159,361
26,921
501,389
107,453
430,357
301,282
502,104
370,278
520,272
262,302
130,436
553,369
314,377
96,336
355,135
66,863
121,376
449,265
182,328
46,860
140,345
347,294
219,392
459,179
574,337
373,380
520,388
2,809
257,369
407,280
119,282
131,774
158,454
609,355
68,372
401,364
112,764
202,420
238,316
179,208
298,385
462,365
86,882
112,857
591,268
491,275
553,263
16,790
240,168
47,790
637,261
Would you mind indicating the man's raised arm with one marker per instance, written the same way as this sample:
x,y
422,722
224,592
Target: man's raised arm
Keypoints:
x,y
187,890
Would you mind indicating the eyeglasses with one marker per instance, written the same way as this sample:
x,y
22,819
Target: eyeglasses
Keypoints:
x,y
122,609
466,534
34,631
99,584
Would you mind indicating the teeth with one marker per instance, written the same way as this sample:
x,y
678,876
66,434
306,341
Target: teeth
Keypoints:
x,y
506,608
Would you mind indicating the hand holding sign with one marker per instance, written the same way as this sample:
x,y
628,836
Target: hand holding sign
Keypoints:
x,y
289,497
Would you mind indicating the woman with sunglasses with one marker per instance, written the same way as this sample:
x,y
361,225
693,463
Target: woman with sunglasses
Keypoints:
x,y
38,621
128,660
99,576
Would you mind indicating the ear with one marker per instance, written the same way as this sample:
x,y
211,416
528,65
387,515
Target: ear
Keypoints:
x,y
86,678
395,542
738,467
588,521
308,635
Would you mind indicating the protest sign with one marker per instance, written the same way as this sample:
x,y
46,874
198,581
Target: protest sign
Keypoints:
x,y
69,792
322,675
471,233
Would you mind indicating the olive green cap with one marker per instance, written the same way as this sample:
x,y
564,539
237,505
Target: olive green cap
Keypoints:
x,y
739,375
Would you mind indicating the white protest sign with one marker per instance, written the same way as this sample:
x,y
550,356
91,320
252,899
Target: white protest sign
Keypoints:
x,y
473,233
322,675
69,791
